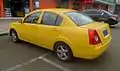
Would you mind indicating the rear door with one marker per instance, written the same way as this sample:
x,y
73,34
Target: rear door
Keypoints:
x,y
49,29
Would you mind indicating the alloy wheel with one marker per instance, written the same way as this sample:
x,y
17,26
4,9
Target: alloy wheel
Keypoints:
x,y
62,52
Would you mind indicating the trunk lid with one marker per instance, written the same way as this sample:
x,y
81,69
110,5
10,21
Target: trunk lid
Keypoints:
x,y
102,29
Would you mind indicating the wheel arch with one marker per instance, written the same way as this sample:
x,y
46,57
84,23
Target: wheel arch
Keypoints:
x,y
65,41
11,29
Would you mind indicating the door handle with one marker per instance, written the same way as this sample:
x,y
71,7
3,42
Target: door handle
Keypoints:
x,y
55,29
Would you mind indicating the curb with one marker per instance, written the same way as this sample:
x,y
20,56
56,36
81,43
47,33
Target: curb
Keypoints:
x,y
3,33
11,18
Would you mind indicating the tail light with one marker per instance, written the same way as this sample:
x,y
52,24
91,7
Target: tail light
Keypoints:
x,y
93,37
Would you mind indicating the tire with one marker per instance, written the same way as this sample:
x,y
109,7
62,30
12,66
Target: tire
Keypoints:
x,y
14,36
63,52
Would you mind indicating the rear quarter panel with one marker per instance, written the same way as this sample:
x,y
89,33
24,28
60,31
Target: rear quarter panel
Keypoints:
x,y
76,38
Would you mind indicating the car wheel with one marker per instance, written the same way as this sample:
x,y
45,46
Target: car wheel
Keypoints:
x,y
63,52
14,36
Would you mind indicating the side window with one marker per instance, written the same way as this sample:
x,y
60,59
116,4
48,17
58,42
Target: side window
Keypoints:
x,y
98,12
95,12
33,18
59,20
87,12
51,19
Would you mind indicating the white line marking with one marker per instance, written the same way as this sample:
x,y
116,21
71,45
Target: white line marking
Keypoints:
x,y
54,64
26,63
42,57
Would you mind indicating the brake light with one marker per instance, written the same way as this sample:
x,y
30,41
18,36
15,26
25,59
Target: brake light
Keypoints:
x,y
93,37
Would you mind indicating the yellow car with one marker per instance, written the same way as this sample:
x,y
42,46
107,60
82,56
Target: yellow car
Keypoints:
x,y
67,32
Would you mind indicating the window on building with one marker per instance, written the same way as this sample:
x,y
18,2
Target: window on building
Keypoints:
x,y
62,3
88,6
76,4
36,4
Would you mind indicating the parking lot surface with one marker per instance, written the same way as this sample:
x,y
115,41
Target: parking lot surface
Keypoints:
x,y
27,57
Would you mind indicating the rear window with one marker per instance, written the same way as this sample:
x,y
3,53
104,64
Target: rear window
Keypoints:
x,y
78,18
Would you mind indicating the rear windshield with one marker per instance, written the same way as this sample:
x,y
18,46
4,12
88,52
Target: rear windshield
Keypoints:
x,y
78,18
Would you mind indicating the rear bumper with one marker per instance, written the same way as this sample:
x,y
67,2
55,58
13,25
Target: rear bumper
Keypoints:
x,y
94,53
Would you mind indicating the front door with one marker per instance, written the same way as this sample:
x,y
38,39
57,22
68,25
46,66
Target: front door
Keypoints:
x,y
49,29
29,27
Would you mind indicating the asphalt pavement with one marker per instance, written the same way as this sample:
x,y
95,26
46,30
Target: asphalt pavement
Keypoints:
x,y
27,57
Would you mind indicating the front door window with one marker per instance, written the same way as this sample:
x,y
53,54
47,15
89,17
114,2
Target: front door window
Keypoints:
x,y
33,18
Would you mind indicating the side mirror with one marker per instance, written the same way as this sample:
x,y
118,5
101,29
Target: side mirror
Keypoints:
x,y
20,21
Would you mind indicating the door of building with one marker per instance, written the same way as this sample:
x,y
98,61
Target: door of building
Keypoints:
x,y
14,8
17,8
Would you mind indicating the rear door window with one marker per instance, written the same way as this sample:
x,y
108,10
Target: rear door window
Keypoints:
x,y
52,19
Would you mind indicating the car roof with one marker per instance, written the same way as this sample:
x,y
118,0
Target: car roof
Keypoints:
x,y
60,10
92,10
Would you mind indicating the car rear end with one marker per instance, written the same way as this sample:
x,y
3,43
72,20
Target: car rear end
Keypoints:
x,y
92,38
99,39
113,19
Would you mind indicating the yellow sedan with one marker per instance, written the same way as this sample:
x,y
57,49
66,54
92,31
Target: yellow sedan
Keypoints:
x,y
67,32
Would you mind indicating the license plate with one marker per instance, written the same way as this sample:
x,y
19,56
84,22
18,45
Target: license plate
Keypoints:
x,y
105,32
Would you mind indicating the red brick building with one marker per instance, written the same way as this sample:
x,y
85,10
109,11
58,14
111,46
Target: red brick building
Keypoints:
x,y
20,7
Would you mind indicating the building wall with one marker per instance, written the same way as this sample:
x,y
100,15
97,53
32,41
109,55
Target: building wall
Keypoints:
x,y
47,4
1,9
82,4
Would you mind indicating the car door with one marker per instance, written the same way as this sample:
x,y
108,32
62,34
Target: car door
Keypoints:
x,y
49,29
29,27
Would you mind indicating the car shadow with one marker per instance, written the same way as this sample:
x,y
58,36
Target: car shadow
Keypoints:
x,y
100,63
34,47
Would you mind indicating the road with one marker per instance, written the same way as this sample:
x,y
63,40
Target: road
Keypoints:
x,y
27,57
